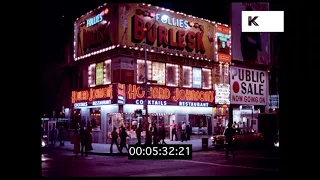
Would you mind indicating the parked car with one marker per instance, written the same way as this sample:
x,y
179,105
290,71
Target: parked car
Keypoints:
x,y
198,131
44,141
243,138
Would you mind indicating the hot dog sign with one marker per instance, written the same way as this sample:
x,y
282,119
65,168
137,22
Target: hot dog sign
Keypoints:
x,y
248,86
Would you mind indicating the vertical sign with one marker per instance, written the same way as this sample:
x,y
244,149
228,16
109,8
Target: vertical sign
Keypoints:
x,y
225,74
99,73
223,43
217,73
196,77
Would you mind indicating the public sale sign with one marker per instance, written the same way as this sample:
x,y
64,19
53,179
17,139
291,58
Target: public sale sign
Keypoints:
x,y
248,86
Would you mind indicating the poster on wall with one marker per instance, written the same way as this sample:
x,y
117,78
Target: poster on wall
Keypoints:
x,y
196,78
124,69
99,73
226,74
94,31
158,72
133,18
248,86
217,74
222,94
250,47
223,40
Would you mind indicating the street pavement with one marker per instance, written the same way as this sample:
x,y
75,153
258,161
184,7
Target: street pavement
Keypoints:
x,y
104,149
60,163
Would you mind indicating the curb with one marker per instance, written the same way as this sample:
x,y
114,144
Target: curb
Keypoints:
x,y
115,154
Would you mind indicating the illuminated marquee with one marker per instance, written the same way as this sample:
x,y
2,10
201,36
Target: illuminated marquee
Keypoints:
x,y
170,96
92,94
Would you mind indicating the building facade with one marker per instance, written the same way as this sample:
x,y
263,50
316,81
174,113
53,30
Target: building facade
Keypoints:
x,y
187,59
250,69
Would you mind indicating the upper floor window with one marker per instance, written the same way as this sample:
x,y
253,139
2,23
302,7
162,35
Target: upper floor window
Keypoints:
x,y
99,73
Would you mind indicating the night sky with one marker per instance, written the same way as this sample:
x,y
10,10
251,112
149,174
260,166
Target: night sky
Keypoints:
x,y
61,14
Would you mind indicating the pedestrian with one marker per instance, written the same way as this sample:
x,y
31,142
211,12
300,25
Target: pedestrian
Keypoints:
x,y
54,135
188,131
174,131
123,139
155,134
229,132
183,131
114,140
148,137
76,142
61,136
163,134
138,133
84,141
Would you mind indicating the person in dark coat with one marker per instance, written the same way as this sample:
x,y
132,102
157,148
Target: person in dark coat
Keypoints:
x,y
155,134
138,133
163,134
148,137
114,140
123,139
188,131
84,141
229,132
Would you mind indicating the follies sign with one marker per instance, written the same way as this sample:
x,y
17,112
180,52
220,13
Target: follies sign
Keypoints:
x,y
170,96
93,96
94,31
223,40
166,31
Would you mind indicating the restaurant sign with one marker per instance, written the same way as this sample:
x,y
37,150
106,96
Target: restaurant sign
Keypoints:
x,y
169,96
94,95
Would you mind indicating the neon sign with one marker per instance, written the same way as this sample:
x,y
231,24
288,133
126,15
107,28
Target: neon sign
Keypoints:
x,y
81,104
170,96
98,103
165,19
95,20
92,94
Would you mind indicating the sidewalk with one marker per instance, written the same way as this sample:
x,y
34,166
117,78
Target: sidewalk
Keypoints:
x,y
104,149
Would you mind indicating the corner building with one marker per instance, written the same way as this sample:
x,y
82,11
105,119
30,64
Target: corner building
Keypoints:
x,y
109,53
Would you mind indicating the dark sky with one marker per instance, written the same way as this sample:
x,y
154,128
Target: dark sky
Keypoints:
x,y
61,14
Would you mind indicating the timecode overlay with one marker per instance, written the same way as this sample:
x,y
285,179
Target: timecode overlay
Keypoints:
x,y
169,151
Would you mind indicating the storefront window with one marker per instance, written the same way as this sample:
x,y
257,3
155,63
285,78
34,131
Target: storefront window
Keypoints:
x,y
196,77
187,76
141,71
172,74
75,119
95,119
198,124
206,76
99,73
92,75
158,73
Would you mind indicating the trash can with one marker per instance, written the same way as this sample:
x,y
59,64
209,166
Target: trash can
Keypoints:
x,y
204,143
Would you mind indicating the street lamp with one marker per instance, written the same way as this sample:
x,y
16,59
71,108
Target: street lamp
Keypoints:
x,y
146,90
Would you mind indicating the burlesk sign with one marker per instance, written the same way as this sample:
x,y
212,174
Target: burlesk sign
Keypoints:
x,y
170,96
248,86
167,32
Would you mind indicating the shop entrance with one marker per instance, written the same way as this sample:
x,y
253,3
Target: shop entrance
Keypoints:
x,y
161,120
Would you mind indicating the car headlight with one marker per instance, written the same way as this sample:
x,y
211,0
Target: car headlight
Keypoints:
x,y
43,144
211,138
276,144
